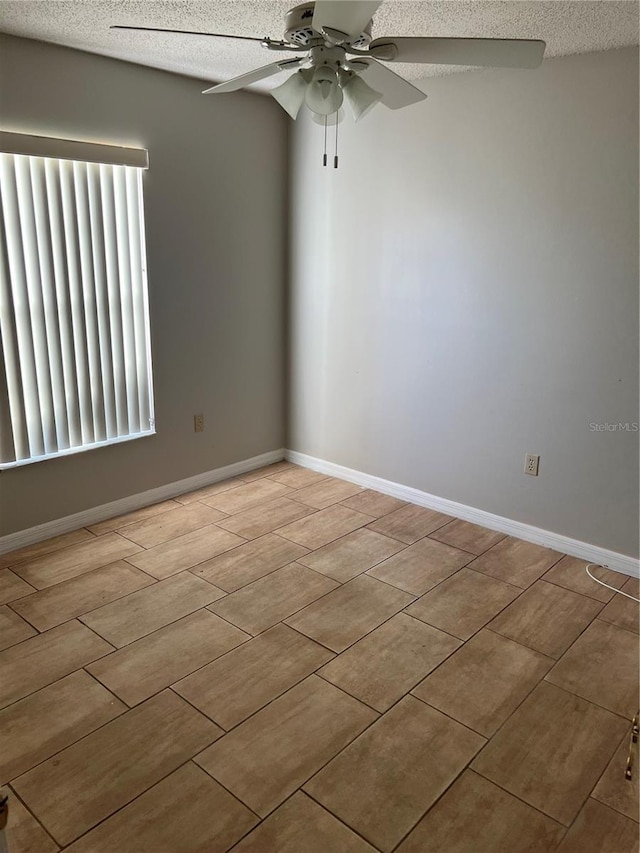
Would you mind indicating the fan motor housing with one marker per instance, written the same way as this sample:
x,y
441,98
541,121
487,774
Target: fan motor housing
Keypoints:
x,y
299,31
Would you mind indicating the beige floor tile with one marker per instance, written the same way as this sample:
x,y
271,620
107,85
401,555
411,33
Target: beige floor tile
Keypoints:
x,y
351,611
12,587
67,563
146,610
265,518
269,470
410,523
137,671
570,573
247,495
302,826
186,551
249,562
131,517
261,604
484,681
241,682
187,812
474,816
598,829
374,503
298,478
37,727
602,666
467,536
515,561
551,751
324,526
383,782
632,586
168,525
48,546
381,667
463,603
209,491
24,833
267,757
33,664
328,492
13,629
622,611
546,618
349,556
613,789
420,567
64,601
88,781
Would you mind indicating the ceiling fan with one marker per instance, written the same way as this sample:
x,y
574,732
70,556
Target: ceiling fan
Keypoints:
x,y
337,60
333,40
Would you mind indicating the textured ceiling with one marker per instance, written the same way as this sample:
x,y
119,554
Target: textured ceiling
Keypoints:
x,y
567,27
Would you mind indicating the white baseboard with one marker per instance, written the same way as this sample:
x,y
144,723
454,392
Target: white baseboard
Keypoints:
x,y
564,544
162,493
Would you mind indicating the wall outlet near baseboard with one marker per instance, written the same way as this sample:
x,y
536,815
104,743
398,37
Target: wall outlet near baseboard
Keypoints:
x,y
198,423
531,463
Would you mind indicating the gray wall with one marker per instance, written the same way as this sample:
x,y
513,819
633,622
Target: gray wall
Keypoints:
x,y
215,201
465,290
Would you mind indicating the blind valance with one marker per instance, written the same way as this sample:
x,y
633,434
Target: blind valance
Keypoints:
x,y
70,149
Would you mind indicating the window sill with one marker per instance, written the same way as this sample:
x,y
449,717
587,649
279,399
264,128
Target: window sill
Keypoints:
x,y
72,451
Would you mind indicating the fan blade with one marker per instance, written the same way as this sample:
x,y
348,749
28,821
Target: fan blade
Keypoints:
x,y
253,76
346,16
395,90
184,32
497,53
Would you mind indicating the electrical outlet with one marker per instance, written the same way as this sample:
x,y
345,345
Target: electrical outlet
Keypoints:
x,y
198,423
531,463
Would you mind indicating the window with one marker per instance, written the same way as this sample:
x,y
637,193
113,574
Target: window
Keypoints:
x,y
75,357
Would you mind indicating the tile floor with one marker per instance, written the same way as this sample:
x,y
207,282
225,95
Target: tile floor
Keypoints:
x,y
287,662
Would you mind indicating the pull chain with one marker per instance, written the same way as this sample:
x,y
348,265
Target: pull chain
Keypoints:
x,y
335,159
324,156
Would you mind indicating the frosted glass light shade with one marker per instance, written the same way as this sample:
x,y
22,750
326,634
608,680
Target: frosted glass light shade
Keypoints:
x,y
290,95
360,96
332,120
324,95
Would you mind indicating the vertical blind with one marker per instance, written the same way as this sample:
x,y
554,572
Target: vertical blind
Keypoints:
x,y
75,360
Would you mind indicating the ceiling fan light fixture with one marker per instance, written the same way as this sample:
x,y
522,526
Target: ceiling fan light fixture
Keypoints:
x,y
290,95
323,95
360,96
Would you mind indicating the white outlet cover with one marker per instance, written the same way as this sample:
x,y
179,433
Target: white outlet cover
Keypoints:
x,y
531,464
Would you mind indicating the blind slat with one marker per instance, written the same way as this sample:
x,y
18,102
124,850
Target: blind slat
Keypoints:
x,y
21,310
14,442
89,300
74,277
49,303
126,299
63,302
102,299
138,296
113,287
